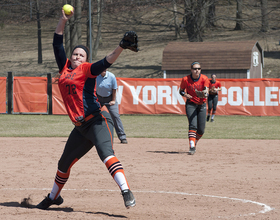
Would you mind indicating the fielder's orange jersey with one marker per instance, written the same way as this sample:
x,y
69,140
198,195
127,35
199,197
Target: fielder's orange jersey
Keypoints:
x,y
189,85
215,84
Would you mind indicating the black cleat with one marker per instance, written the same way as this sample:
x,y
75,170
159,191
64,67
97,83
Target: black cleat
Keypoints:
x,y
212,120
123,141
208,117
47,202
129,200
192,151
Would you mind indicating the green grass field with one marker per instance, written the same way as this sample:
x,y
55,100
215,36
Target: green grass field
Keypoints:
x,y
148,126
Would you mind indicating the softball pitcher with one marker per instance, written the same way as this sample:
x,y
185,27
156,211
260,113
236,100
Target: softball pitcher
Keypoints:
x,y
195,88
93,126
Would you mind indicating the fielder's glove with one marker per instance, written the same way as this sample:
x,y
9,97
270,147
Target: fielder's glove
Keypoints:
x,y
130,41
212,89
201,94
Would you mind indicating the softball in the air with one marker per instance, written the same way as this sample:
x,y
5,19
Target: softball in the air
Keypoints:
x,y
67,9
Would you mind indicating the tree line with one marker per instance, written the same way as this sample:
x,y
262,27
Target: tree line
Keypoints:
x,y
190,16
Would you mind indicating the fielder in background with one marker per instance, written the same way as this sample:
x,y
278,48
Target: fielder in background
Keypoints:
x,y
106,90
93,126
194,87
214,88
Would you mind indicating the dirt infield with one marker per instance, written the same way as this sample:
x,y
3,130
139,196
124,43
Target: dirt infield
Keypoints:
x,y
225,179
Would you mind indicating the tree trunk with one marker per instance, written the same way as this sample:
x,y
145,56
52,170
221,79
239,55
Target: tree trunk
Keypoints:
x,y
189,19
78,17
176,22
239,25
67,40
99,26
211,14
265,24
201,19
73,30
67,37
40,57
90,29
95,41
194,19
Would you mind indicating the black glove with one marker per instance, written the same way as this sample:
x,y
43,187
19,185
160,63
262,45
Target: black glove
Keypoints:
x,y
130,41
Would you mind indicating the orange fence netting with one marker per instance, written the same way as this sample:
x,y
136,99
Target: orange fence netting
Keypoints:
x,y
258,97
3,81
30,94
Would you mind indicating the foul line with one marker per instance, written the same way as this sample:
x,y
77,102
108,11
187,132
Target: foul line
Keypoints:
x,y
265,209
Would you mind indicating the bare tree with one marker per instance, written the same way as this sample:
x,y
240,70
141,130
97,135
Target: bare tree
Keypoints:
x,y
95,41
78,18
67,37
189,19
264,12
239,25
176,22
99,26
211,17
202,6
73,28
40,56
195,18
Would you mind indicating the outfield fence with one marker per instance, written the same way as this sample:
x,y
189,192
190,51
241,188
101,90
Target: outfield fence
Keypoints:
x,y
41,95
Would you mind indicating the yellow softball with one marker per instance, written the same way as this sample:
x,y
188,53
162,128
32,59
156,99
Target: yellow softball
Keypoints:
x,y
67,9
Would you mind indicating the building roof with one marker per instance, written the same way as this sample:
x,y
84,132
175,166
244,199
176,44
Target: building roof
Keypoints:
x,y
211,55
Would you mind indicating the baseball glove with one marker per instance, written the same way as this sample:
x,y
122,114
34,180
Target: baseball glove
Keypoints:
x,y
130,41
212,89
201,94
